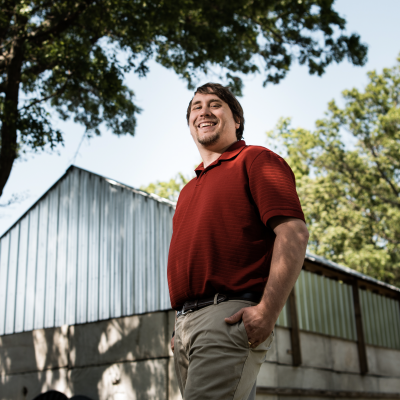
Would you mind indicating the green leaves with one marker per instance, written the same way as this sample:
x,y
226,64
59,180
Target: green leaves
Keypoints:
x,y
348,177
72,56
169,190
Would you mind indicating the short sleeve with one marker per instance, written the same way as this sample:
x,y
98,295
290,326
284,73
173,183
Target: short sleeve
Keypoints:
x,y
273,187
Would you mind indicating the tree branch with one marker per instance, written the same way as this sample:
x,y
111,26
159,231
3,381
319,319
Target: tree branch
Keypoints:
x,y
56,93
383,175
15,199
42,33
39,68
367,189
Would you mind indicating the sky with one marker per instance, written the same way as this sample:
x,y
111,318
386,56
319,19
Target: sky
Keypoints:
x,y
162,145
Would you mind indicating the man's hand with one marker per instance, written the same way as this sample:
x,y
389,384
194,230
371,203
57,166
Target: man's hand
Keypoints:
x,y
256,322
172,343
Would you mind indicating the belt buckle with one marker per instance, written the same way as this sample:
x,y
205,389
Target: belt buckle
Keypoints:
x,y
183,312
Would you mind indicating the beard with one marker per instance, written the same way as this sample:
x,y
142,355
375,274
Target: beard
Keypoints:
x,y
209,139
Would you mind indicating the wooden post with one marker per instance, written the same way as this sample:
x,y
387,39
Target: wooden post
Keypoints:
x,y
294,330
362,353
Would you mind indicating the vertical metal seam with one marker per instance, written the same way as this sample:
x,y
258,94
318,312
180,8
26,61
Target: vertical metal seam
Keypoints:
x,y
317,282
398,318
77,246
135,251
341,306
46,261
331,323
16,276
26,269
56,257
122,246
36,267
88,251
324,307
299,310
99,252
7,276
313,325
66,250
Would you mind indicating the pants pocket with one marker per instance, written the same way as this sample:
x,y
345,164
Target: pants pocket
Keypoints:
x,y
243,332
266,345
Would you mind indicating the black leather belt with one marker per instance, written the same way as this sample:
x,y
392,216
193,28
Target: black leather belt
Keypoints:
x,y
194,305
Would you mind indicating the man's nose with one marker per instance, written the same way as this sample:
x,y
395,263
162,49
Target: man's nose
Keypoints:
x,y
205,111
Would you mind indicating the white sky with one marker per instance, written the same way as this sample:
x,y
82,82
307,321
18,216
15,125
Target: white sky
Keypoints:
x,y
162,145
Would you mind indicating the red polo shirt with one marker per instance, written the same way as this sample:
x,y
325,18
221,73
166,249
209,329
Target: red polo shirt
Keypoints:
x,y
221,242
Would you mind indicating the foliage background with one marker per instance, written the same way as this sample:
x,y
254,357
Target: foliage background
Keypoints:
x,y
348,177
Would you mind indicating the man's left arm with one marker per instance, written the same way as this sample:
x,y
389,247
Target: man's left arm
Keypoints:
x,y
287,260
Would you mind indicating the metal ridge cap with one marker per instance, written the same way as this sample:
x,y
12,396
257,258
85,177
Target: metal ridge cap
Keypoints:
x,y
111,181
331,264
142,192
131,188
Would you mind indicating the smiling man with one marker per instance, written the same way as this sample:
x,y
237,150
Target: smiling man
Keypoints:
x,y
238,245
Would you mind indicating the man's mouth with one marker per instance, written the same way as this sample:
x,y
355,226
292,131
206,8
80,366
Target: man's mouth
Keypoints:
x,y
205,124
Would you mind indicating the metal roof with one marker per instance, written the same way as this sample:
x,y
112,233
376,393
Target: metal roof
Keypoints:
x,y
348,271
109,180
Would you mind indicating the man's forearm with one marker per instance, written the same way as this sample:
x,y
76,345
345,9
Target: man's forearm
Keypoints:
x,y
287,260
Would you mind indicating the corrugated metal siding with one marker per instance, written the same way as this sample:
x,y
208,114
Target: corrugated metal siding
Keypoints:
x,y
326,306
381,319
284,317
323,306
90,249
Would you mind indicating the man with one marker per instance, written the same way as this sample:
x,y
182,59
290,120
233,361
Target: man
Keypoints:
x,y
238,245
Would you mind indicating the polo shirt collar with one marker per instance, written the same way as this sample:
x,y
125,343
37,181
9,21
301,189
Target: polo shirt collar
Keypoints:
x,y
228,154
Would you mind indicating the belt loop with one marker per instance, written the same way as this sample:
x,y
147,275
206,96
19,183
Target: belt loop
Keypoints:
x,y
216,299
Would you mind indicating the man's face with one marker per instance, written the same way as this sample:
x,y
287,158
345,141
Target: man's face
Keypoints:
x,y
211,121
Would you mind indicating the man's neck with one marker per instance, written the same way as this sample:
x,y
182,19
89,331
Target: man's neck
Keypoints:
x,y
212,153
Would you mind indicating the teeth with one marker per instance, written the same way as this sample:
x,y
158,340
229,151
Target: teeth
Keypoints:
x,y
206,124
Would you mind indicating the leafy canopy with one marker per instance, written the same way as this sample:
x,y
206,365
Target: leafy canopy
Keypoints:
x,y
73,55
348,177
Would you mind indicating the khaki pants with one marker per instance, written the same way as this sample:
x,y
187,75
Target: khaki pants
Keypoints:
x,y
213,359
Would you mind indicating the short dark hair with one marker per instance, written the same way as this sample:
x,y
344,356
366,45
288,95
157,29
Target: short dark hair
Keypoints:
x,y
226,95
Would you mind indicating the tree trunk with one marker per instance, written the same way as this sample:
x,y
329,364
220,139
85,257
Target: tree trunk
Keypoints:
x,y
8,150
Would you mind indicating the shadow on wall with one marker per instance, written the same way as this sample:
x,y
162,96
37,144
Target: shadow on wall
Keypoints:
x,y
114,359
33,362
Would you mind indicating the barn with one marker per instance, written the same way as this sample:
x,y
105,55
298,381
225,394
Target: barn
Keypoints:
x,y
84,308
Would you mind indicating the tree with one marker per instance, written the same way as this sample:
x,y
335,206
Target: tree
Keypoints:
x,y
71,56
348,177
169,190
